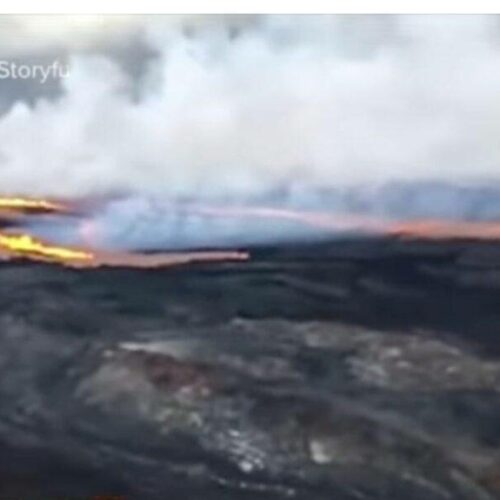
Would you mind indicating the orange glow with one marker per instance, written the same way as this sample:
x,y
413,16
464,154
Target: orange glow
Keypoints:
x,y
355,223
438,229
27,246
23,245
140,260
30,204
16,245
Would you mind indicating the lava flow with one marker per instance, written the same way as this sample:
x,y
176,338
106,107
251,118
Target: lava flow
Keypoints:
x,y
18,204
23,245
425,229
440,230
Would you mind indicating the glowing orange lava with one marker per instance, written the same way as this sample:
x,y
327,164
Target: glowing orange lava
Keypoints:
x,y
27,246
440,229
20,245
356,223
30,204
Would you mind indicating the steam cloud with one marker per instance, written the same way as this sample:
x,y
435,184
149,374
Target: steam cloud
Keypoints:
x,y
279,108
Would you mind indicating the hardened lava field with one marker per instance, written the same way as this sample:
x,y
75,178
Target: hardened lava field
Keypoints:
x,y
363,369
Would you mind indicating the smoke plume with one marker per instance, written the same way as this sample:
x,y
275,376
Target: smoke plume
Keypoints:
x,y
320,112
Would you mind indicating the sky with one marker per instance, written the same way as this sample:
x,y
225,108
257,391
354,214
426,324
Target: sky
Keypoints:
x,y
248,108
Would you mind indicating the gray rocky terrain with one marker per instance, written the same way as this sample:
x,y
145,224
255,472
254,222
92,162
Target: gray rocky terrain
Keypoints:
x,y
347,370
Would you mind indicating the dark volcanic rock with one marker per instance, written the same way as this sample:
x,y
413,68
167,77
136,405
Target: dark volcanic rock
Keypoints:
x,y
304,373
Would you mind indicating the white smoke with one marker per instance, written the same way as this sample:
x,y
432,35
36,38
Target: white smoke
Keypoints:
x,y
238,107
288,100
